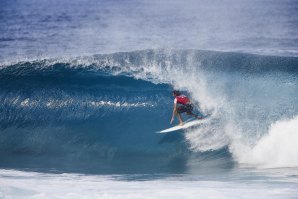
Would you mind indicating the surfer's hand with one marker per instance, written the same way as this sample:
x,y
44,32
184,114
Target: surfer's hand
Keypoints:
x,y
172,120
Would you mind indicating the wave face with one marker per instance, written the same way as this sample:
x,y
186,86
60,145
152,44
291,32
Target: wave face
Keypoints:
x,y
99,114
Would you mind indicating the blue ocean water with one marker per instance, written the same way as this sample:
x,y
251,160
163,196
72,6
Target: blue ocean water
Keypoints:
x,y
85,86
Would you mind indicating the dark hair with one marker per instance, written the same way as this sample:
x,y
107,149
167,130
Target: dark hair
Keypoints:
x,y
177,93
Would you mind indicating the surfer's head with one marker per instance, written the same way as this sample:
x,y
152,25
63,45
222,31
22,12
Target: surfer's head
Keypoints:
x,y
176,93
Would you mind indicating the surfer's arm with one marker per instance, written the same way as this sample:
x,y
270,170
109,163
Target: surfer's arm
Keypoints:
x,y
174,112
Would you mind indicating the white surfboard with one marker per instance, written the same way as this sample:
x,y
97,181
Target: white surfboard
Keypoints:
x,y
184,126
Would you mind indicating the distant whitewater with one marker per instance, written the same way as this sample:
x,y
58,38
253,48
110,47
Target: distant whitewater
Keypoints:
x,y
98,114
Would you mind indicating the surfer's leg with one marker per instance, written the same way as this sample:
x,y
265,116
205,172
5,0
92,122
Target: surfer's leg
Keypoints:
x,y
178,111
189,109
180,119
196,116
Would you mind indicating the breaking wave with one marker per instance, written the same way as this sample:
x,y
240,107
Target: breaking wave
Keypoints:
x,y
100,113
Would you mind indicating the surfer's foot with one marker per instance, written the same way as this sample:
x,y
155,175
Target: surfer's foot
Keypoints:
x,y
199,117
181,124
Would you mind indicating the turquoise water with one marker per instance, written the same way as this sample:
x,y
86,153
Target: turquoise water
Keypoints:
x,y
84,86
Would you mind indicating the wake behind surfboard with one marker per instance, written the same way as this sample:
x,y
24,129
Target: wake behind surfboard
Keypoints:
x,y
186,125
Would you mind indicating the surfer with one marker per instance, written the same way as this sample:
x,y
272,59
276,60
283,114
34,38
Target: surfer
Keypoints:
x,y
182,104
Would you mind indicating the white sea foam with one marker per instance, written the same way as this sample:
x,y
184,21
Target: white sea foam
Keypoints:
x,y
25,185
51,103
120,104
278,148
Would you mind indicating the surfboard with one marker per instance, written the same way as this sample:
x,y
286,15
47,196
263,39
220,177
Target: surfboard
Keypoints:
x,y
187,124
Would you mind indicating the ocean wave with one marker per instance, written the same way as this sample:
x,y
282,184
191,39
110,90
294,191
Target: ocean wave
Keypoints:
x,y
109,106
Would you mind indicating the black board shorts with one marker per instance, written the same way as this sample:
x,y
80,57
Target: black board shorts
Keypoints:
x,y
185,108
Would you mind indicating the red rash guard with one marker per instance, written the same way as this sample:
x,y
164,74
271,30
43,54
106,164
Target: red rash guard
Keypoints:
x,y
182,99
